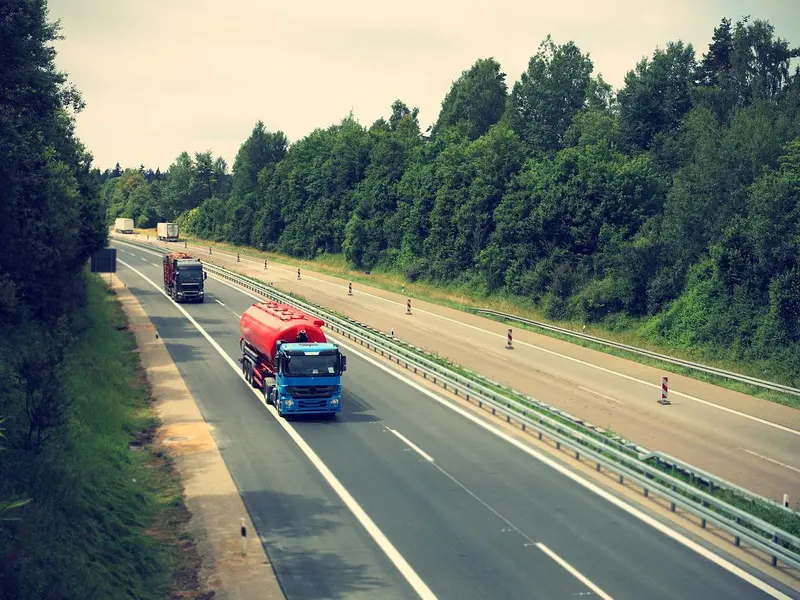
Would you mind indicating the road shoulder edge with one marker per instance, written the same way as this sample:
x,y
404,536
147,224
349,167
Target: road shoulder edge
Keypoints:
x,y
210,492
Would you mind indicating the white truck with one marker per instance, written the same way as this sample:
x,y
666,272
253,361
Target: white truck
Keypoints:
x,y
167,232
123,225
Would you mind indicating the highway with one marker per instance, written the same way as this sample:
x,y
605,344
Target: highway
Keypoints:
x,y
751,442
433,504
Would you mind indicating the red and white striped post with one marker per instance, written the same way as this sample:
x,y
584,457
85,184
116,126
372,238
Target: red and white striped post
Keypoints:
x,y
408,306
786,500
209,249
664,391
185,244
265,264
349,289
510,340
298,274
237,257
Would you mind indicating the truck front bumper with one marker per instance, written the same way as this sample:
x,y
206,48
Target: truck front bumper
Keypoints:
x,y
308,406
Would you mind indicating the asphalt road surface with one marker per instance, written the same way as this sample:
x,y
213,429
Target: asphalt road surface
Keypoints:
x,y
467,514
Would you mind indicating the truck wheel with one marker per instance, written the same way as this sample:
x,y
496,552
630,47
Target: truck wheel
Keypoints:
x,y
268,394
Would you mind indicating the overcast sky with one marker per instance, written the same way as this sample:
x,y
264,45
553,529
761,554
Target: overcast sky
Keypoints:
x,y
163,76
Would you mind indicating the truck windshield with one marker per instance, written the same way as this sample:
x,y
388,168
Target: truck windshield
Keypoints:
x,y
193,273
308,366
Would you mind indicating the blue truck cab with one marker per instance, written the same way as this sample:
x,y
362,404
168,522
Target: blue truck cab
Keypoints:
x,y
308,378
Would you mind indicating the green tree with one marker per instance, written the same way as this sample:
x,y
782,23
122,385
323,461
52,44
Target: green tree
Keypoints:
x,y
550,92
656,95
476,100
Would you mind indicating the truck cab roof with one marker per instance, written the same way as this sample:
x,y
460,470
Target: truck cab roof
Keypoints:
x,y
297,347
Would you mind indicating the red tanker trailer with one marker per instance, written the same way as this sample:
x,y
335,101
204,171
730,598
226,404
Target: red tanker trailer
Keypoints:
x,y
282,343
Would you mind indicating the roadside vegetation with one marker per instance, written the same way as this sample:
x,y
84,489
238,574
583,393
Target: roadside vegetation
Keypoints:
x,y
81,514
672,223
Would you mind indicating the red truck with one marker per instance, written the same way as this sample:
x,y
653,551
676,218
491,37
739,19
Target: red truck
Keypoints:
x,y
184,277
280,343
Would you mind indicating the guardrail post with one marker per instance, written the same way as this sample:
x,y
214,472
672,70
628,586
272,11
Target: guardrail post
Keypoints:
x,y
664,391
408,306
509,341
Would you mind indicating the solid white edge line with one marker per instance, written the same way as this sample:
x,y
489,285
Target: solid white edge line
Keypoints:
x,y
405,569
772,460
585,389
573,571
593,366
412,445
657,525
218,302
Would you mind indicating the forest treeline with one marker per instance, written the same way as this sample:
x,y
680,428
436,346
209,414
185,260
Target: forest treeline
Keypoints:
x,y
63,533
671,202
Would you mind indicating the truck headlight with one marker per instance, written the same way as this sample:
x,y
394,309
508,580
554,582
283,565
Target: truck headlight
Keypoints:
x,y
289,402
334,401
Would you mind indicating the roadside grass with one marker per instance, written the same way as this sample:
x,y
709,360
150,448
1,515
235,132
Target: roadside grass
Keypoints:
x,y
107,511
461,297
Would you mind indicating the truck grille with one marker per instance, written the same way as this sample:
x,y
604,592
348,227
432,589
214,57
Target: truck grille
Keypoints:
x,y
190,289
306,404
311,391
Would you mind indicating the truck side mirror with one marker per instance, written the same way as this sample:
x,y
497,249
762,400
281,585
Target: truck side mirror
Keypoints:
x,y
343,362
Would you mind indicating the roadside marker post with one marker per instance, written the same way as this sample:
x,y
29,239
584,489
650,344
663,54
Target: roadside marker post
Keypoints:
x,y
665,391
244,537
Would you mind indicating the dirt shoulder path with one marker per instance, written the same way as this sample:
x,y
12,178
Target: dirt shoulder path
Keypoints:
x,y
210,492
716,429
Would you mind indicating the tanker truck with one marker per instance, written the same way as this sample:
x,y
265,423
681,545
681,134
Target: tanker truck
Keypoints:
x,y
184,277
286,356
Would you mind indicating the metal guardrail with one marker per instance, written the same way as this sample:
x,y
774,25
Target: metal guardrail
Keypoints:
x,y
607,453
779,387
